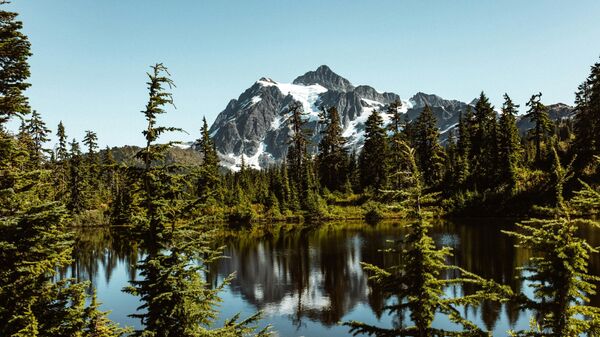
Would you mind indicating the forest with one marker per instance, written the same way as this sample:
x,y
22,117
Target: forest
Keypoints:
x,y
178,211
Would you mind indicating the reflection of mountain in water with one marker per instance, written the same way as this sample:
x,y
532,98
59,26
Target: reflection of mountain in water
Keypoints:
x,y
317,274
300,274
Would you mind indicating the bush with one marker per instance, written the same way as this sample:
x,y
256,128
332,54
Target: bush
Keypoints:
x,y
241,215
373,211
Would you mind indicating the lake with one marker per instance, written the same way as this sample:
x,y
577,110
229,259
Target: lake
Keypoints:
x,y
306,281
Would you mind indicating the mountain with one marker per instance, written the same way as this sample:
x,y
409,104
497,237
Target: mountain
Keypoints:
x,y
254,125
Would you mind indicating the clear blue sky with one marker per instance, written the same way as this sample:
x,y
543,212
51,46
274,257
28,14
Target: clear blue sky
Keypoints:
x,y
90,56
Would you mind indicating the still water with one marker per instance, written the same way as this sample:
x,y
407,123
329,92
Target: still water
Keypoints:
x,y
307,281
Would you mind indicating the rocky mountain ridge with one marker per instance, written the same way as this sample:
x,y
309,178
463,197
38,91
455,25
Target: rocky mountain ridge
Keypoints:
x,y
253,126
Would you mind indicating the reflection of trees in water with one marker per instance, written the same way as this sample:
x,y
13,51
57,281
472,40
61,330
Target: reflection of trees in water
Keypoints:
x,y
99,247
314,274
480,247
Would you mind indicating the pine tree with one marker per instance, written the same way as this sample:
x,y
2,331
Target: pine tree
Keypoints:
x,y
77,180
373,159
587,118
91,143
37,130
510,143
484,144
463,147
428,150
397,135
34,240
34,245
209,179
332,157
176,299
15,50
538,114
61,150
300,168
297,154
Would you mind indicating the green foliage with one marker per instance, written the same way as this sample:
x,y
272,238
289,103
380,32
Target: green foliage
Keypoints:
x,y
484,144
373,211
418,281
373,159
509,144
15,50
429,153
538,114
332,158
208,184
176,298
587,119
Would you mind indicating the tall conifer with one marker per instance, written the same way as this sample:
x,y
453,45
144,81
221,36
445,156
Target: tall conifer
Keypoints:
x,y
373,158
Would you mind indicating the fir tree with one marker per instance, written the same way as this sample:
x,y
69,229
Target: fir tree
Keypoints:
x,y
463,147
428,150
77,180
61,149
176,300
538,114
15,50
208,181
587,118
297,154
37,130
332,157
484,142
373,159
510,143
396,129
300,168
91,143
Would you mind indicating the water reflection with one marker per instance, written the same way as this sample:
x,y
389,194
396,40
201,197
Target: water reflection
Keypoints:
x,y
306,281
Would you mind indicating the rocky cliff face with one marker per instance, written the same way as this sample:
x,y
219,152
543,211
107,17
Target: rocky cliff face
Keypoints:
x,y
253,126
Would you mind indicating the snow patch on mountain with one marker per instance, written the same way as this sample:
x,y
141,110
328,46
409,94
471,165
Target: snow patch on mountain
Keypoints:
x,y
234,162
307,95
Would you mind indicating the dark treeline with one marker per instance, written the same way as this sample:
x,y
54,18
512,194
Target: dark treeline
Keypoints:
x,y
403,169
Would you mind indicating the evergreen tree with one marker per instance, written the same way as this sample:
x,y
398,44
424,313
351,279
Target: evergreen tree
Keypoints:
x,y
373,159
463,147
15,50
484,144
208,182
91,143
510,143
38,132
297,154
34,245
77,181
396,129
428,150
61,150
176,299
538,114
587,118
300,168
34,240
332,157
